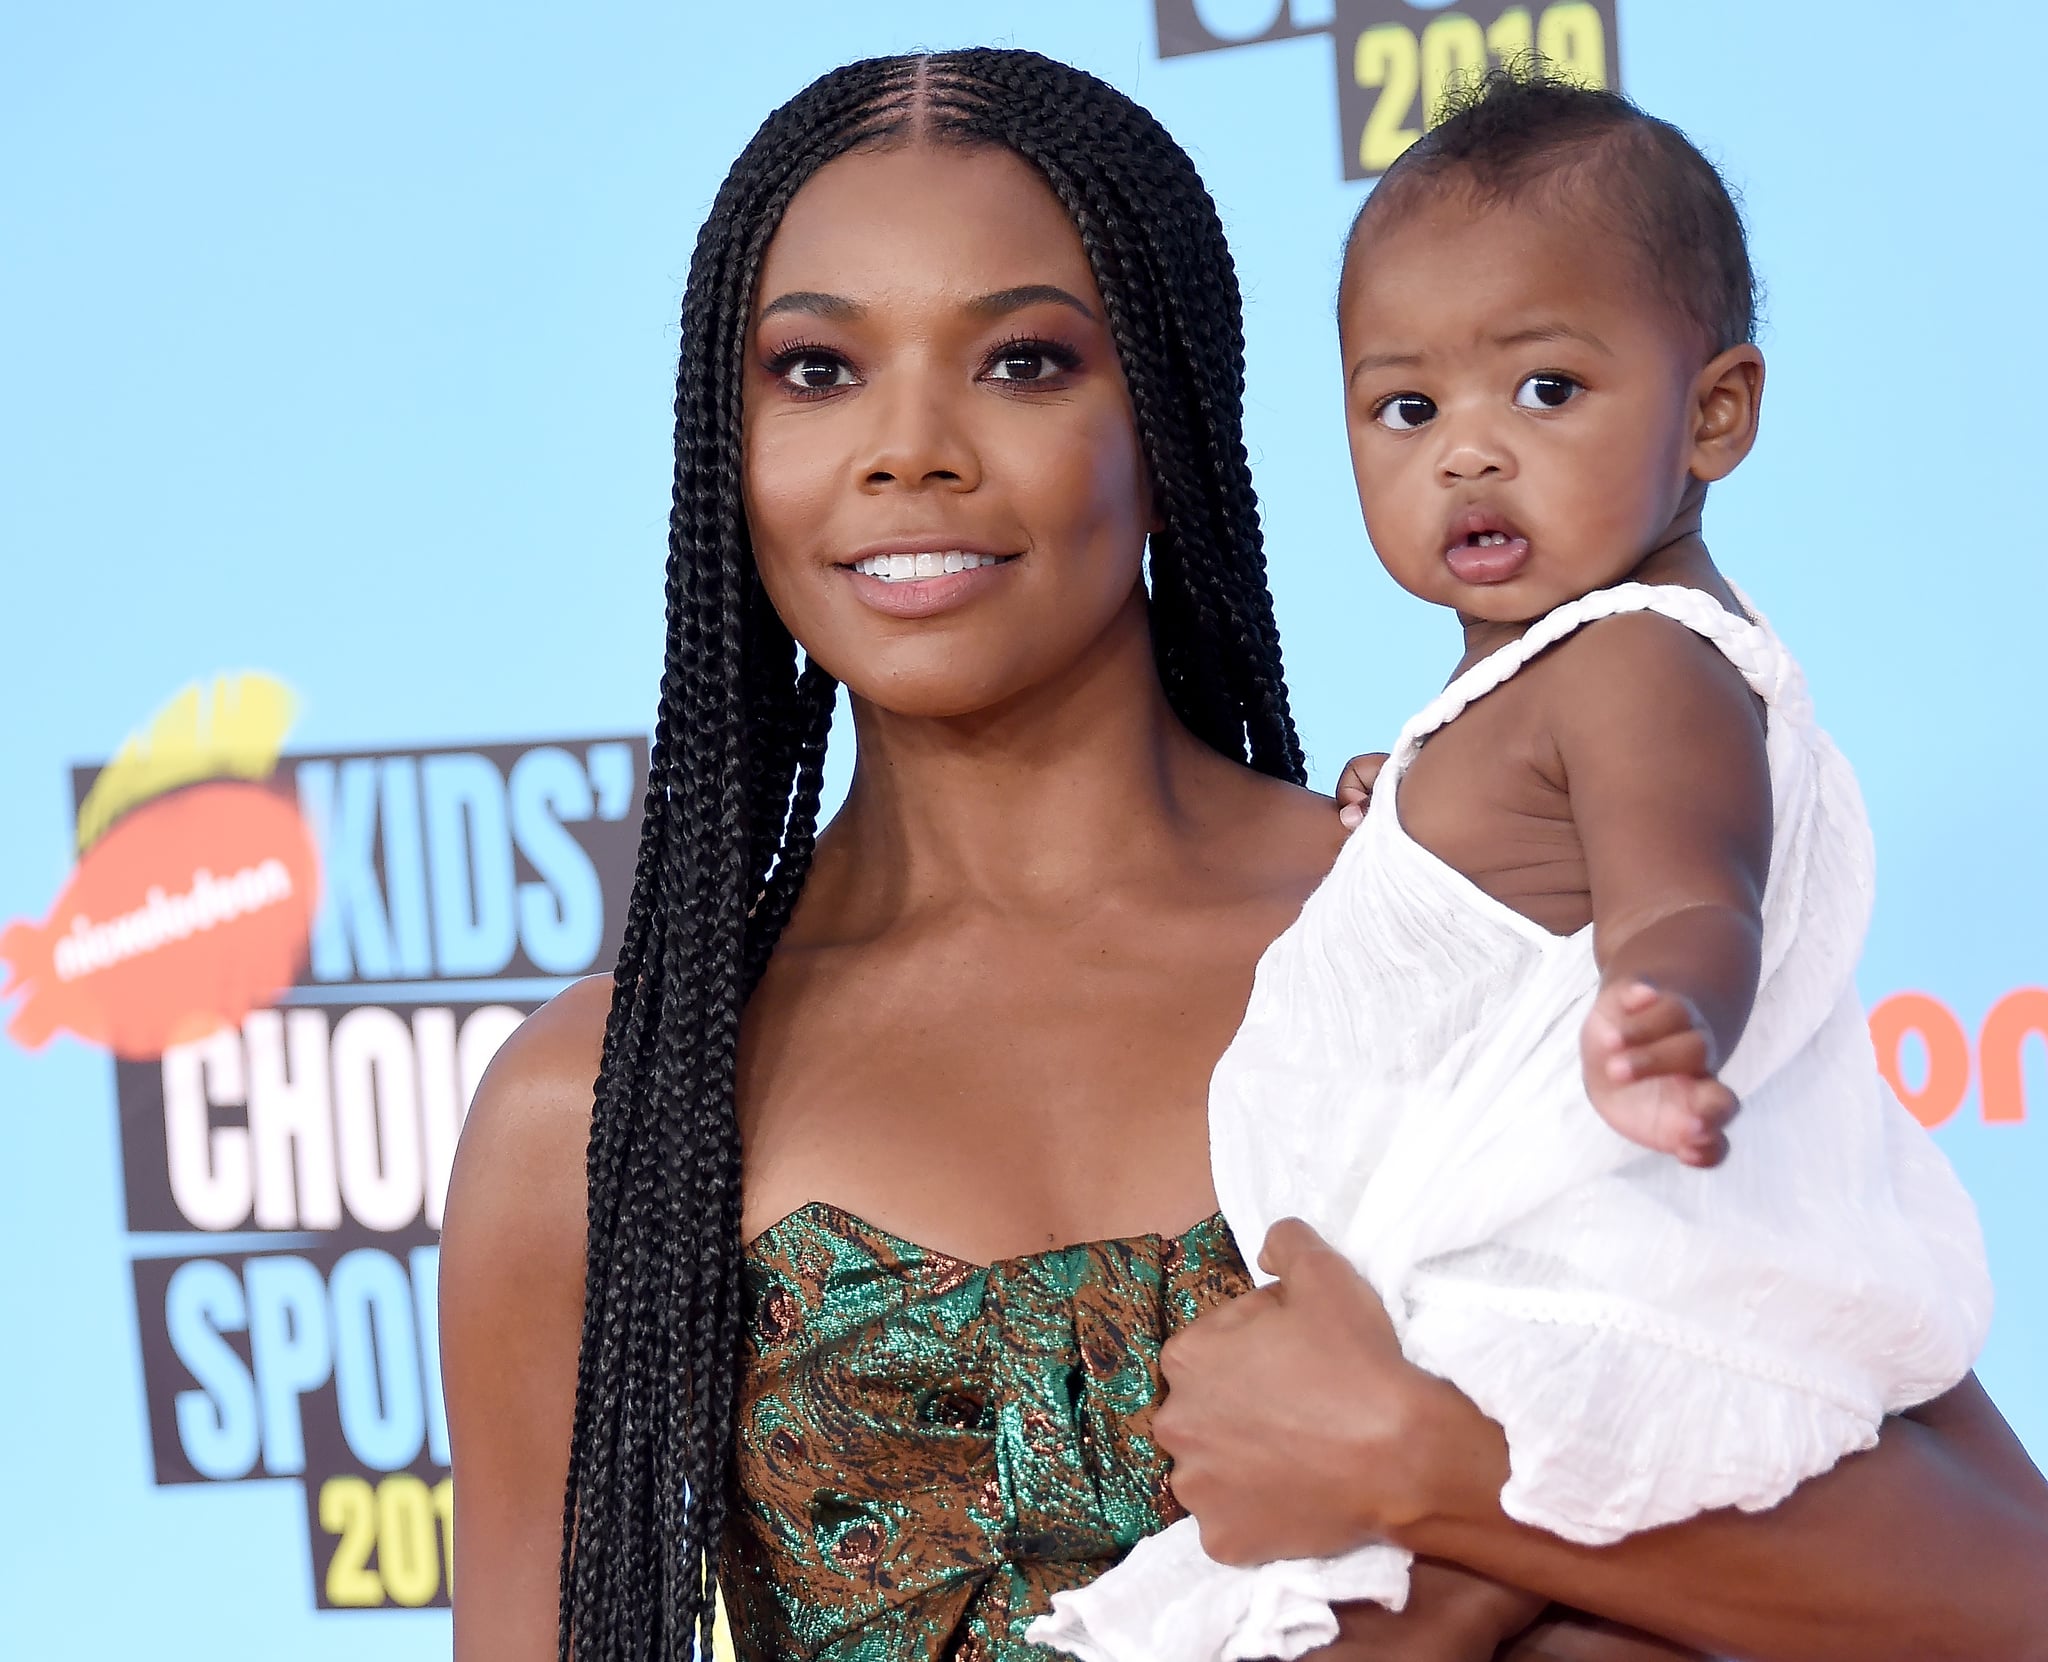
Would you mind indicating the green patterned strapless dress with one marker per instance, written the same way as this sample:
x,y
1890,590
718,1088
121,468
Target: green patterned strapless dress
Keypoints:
x,y
930,1449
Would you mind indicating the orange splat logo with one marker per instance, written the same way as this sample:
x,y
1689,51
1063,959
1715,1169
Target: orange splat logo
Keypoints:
x,y
193,906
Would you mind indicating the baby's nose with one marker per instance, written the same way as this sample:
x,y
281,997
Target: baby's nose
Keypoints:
x,y
1472,457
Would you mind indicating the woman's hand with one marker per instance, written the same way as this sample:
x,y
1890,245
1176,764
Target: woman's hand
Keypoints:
x,y
1296,1427
1354,786
1300,1431
1567,1636
1452,1616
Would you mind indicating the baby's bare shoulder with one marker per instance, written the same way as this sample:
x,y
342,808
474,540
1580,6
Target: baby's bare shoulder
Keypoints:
x,y
1642,677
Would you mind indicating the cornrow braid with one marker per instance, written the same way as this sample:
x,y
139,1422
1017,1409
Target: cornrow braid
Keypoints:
x,y
737,772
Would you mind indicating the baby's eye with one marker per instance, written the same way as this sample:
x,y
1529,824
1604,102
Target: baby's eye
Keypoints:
x,y
1405,411
1547,392
1029,361
814,371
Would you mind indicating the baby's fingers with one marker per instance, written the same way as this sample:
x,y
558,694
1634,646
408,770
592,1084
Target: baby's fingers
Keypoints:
x,y
1661,1016
1713,1106
1354,786
1683,1052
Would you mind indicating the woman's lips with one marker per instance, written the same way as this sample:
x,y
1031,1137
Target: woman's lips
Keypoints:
x,y
1484,560
901,568
929,588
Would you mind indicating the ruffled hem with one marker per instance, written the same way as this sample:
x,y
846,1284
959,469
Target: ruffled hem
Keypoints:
x,y
1619,1420
1168,1598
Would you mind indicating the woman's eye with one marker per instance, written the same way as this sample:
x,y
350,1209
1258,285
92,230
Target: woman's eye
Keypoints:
x,y
1547,392
1406,410
814,371
1028,362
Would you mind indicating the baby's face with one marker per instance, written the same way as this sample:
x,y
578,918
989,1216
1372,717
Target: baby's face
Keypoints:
x,y
1522,405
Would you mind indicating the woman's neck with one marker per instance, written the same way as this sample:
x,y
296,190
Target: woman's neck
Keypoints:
x,y
1084,781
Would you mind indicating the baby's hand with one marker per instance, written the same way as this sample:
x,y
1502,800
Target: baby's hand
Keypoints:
x,y
1649,1070
1354,788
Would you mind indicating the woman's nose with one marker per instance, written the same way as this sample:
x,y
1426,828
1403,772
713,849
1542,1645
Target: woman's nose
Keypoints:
x,y
917,441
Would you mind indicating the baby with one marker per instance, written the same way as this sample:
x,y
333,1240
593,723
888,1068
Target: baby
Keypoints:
x,y
1611,883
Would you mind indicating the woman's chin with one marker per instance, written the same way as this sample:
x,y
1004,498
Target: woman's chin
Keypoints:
x,y
936,700
952,685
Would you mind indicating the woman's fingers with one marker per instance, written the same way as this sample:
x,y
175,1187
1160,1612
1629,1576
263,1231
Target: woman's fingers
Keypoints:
x,y
1291,1416
1288,1242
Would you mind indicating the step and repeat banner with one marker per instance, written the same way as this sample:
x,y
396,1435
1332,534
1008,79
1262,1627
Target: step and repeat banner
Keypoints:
x,y
332,501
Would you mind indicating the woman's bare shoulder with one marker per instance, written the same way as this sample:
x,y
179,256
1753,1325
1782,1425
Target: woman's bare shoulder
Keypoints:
x,y
1295,831
547,1069
518,1184
512,1275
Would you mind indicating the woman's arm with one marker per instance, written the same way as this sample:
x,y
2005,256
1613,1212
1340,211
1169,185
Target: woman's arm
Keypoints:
x,y
1566,1636
1930,1546
1453,1615
1298,1430
512,1322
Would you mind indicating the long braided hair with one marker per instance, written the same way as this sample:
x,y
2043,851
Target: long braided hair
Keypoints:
x,y
738,756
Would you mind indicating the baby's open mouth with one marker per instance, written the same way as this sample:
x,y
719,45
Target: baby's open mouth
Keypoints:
x,y
1487,553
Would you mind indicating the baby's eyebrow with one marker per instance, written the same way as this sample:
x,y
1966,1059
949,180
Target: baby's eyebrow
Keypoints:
x,y
1385,360
1537,333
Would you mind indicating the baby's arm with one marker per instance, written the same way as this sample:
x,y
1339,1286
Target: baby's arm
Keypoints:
x,y
1662,745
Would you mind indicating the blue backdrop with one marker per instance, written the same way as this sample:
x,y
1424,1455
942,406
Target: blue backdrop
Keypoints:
x,y
339,347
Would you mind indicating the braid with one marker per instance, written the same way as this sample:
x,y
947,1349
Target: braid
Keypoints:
x,y
737,768
1160,260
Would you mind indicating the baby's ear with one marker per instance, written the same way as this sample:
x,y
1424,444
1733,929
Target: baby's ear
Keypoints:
x,y
1728,397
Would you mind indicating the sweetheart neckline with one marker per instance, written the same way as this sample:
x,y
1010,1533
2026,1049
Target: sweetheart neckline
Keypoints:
x,y
866,1226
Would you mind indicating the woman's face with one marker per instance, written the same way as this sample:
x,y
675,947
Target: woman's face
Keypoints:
x,y
943,480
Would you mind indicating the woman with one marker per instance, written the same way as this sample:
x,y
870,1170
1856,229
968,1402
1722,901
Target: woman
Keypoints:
x,y
961,355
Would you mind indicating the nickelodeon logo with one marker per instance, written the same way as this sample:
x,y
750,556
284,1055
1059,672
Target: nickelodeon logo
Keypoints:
x,y
216,876
1918,1036
196,885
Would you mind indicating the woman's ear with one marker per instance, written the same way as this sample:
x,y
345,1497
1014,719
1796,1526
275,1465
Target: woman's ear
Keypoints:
x,y
1728,398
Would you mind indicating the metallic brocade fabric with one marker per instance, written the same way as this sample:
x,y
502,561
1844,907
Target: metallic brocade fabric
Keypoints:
x,y
930,1449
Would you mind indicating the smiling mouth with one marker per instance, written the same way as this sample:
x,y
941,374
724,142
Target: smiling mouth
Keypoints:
x,y
909,568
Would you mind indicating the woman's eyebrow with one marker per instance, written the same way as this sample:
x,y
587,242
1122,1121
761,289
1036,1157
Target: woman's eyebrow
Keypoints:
x,y
1005,301
999,304
835,306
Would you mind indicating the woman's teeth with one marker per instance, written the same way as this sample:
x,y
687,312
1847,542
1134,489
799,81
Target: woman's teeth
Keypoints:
x,y
904,568
1487,539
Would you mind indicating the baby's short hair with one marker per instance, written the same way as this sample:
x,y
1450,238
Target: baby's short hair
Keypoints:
x,y
1522,130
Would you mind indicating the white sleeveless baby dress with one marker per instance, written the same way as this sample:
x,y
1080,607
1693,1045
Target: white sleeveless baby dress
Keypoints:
x,y
1656,1340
